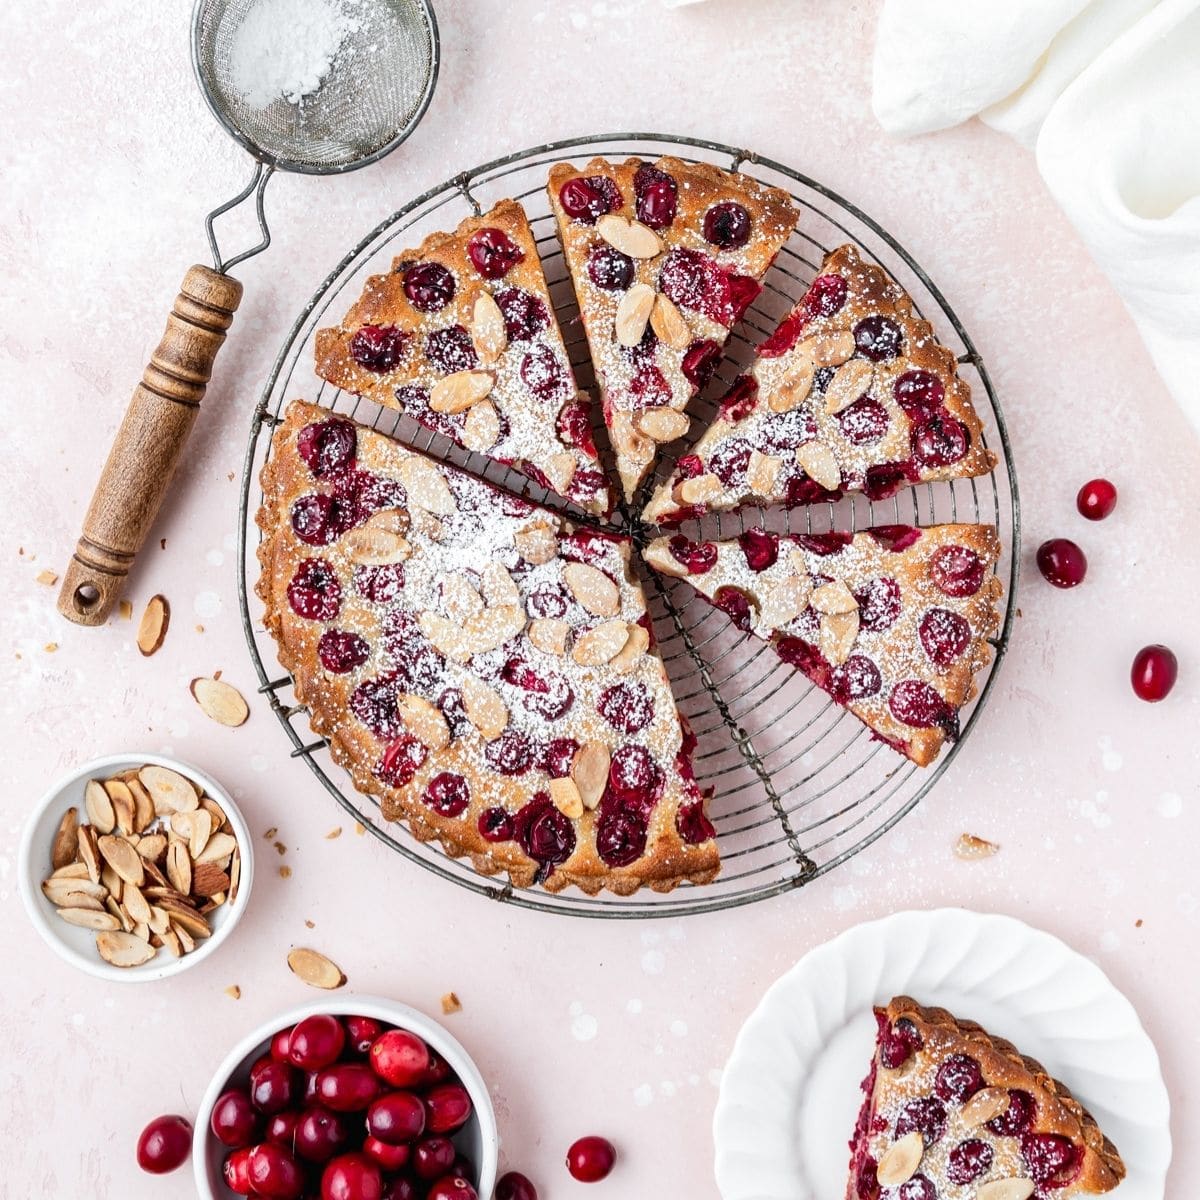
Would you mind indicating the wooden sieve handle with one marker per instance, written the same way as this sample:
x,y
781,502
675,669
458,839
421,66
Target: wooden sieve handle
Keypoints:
x,y
148,445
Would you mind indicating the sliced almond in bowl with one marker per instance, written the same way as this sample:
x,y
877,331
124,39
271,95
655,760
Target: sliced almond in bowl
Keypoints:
x,y
169,791
98,805
123,949
66,841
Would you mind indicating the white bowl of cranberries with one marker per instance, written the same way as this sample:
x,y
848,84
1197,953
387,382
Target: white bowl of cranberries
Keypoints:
x,y
354,1099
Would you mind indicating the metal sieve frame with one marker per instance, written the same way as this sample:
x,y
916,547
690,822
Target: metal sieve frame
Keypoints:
x,y
773,840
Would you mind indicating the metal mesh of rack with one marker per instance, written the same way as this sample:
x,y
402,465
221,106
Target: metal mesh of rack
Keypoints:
x,y
799,785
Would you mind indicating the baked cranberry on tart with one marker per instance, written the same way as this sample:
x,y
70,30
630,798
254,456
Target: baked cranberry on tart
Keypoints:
x,y
484,667
461,336
666,257
893,622
852,392
953,1113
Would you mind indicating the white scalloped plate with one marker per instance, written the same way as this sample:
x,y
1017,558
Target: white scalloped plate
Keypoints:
x,y
790,1091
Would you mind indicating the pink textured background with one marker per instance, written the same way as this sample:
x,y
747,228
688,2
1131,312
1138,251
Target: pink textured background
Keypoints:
x,y
111,162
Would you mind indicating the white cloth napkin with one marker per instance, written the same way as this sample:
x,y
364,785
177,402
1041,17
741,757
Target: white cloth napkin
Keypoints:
x,y
1107,92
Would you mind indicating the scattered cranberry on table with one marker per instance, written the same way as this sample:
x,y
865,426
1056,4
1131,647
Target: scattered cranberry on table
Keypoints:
x,y
1062,562
590,1159
1155,669
164,1144
1096,500
514,1186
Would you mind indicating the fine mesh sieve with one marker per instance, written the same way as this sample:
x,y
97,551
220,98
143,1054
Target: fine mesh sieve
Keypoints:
x,y
369,97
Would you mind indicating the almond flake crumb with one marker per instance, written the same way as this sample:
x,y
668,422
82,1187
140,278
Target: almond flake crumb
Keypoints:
x,y
1138,923
162,543
199,628
359,828
280,848
271,834
310,924
970,847
233,992
125,608
51,647
333,833
451,1004
285,872
48,577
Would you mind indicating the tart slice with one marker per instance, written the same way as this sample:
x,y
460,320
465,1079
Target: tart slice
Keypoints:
x,y
462,336
952,1113
479,664
893,623
665,258
852,392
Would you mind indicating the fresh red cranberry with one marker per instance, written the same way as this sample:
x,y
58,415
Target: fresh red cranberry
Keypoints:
x,y
864,422
164,1145
347,1087
700,361
281,1128
608,268
310,1086
878,338
741,399
400,1187
858,678
361,1032
761,548
1017,1117
236,1171
316,1042
1062,563
590,1159
402,759
736,605
926,1115
373,702
396,1117
918,392
318,519
944,634
352,1177
587,198
314,592
697,557
825,296
542,373
1096,500
234,1121
274,1087
274,1172
969,1161
512,1185
320,1134
493,252
1051,1159
897,1043
433,1157
878,604
884,480
495,825
1155,669
939,440
399,1058
510,754
525,315
386,1157
451,349
429,286
452,1187
448,1107
727,225
447,794
575,426
327,447
378,348
543,832
626,706
280,1046
957,570
958,1079
693,825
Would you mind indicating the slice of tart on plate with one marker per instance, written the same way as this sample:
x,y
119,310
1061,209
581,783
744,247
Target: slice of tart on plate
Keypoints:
x,y
665,258
893,622
482,666
952,1113
852,392
461,336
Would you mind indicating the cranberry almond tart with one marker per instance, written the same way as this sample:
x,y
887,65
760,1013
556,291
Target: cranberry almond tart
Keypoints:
x,y
852,392
482,666
892,623
462,336
952,1113
665,258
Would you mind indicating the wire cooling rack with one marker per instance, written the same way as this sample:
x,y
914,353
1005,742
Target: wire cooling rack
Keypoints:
x,y
799,785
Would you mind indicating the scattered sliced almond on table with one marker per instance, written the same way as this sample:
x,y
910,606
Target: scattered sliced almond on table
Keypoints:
x,y
152,628
451,1004
155,859
315,969
221,701
970,847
